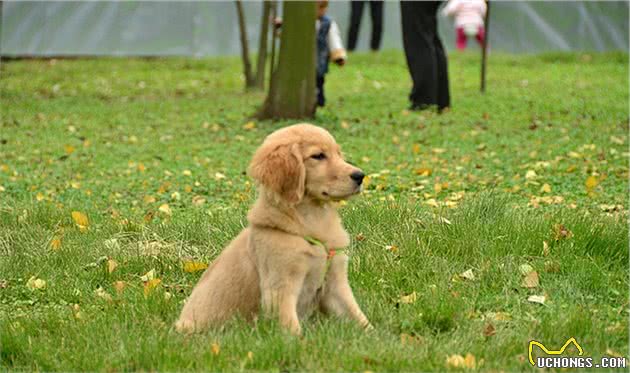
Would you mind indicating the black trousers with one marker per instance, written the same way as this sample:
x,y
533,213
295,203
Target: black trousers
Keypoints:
x,y
425,54
356,13
321,100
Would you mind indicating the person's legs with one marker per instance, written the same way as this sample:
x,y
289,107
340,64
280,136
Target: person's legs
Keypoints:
x,y
376,12
481,35
356,12
461,38
321,100
443,95
418,29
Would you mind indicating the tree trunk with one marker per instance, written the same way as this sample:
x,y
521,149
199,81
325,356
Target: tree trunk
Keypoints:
x,y
484,48
250,81
262,45
274,34
292,91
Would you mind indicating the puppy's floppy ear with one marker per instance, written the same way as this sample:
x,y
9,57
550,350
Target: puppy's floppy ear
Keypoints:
x,y
280,168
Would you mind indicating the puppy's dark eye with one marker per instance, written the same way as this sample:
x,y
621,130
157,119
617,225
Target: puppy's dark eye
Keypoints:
x,y
319,156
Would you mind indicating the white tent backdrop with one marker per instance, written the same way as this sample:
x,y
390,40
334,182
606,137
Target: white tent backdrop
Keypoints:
x,y
49,28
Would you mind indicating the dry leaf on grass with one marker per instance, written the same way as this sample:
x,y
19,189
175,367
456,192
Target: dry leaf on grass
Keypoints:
x,y
192,266
392,248
55,244
411,340
216,349
546,188
561,232
150,285
531,174
198,200
111,265
459,361
551,266
530,280
119,286
489,330
468,275
35,283
525,269
591,183
148,276
423,171
81,220
408,299
69,149
498,316
101,293
540,299
165,209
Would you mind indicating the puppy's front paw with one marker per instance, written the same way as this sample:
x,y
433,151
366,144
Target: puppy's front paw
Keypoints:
x,y
185,326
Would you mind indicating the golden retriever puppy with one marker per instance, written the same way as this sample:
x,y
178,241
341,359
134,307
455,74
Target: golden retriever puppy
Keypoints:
x,y
288,262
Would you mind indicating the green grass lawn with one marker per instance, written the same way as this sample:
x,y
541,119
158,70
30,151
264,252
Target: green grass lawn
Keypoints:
x,y
530,177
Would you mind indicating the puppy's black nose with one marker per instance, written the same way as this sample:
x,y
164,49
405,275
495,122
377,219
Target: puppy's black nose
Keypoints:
x,y
357,176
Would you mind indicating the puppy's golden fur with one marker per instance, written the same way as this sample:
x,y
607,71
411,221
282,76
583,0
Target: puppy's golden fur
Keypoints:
x,y
270,266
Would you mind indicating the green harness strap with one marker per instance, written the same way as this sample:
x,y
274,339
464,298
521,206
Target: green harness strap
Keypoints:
x,y
330,254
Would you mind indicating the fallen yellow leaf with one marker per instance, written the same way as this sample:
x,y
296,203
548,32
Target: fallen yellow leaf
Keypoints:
x,y
410,298
165,209
111,265
530,280
469,361
198,200
411,340
35,283
432,202
530,174
468,275
546,188
150,285
540,299
499,316
455,361
192,266
561,232
55,243
119,286
216,349
81,220
101,293
69,149
489,330
591,183
423,171
525,269
148,276
392,248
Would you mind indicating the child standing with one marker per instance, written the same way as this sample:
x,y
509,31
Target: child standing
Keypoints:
x,y
329,47
469,20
